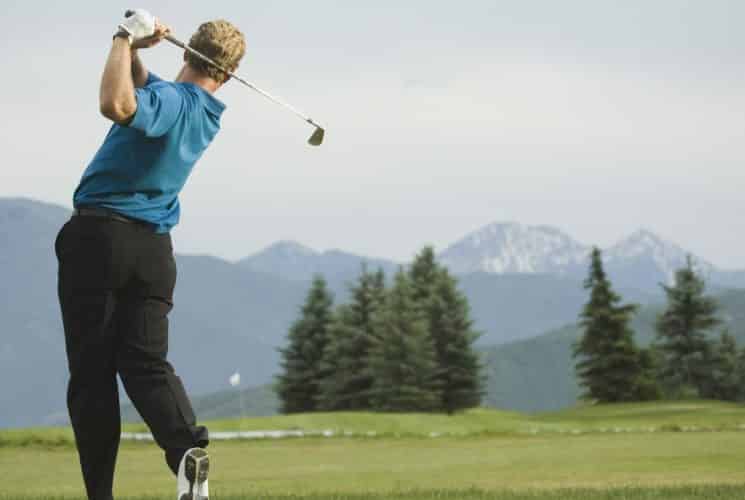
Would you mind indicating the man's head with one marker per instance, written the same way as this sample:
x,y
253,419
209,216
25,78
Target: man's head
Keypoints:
x,y
220,41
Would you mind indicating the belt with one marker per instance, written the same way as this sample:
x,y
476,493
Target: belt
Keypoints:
x,y
109,214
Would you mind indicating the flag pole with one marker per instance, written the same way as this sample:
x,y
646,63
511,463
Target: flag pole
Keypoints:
x,y
235,381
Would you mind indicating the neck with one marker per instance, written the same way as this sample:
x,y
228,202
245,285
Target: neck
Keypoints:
x,y
189,75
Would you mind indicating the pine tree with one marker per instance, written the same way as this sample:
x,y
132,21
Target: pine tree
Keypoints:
x,y
681,334
610,366
647,387
402,359
299,385
337,362
723,381
740,374
423,275
350,336
458,368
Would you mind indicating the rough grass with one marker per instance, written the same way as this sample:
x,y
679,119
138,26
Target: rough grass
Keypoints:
x,y
634,418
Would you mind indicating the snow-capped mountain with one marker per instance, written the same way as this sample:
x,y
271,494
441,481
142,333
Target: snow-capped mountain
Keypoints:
x,y
504,248
644,249
642,261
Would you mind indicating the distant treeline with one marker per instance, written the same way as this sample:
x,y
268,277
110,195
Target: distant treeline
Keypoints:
x,y
684,361
407,347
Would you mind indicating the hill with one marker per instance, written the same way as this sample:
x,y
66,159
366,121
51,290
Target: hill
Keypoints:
x,y
227,316
233,316
538,374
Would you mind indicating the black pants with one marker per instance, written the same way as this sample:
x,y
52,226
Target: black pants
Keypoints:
x,y
115,288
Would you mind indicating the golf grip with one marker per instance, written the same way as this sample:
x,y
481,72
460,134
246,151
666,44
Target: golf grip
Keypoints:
x,y
209,61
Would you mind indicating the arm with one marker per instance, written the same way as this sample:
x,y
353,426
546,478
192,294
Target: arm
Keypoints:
x,y
139,72
124,71
117,94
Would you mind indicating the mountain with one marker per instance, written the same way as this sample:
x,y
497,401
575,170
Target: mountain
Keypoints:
x,y
258,401
639,262
508,307
293,261
537,374
644,260
225,318
33,370
505,248
233,316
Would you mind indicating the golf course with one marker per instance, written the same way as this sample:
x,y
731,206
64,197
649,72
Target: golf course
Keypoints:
x,y
680,450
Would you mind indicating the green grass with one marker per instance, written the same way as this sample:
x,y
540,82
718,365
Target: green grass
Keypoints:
x,y
604,452
385,466
679,493
634,418
642,417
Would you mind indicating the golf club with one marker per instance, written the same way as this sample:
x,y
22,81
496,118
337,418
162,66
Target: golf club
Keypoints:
x,y
315,140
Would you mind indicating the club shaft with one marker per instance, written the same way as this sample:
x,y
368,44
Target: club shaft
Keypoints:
x,y
248,84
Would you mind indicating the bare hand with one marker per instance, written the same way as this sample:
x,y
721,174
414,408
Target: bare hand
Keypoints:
x,y
161,31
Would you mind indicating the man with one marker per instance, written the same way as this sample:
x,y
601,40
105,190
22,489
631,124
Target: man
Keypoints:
x,y
116,266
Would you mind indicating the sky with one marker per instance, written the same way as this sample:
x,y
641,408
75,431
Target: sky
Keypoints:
x,y
598,117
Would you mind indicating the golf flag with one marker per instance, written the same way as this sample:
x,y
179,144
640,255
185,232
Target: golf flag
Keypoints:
x,y
235,379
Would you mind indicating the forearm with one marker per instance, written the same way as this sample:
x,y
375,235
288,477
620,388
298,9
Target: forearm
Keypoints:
x,y
139,72
117,95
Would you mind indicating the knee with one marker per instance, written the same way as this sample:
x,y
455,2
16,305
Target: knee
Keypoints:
x,y
143,369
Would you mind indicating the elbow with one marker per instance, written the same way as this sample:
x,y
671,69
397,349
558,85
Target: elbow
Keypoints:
x,y
119,112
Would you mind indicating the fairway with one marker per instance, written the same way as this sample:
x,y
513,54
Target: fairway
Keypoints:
x,y
386,466
690,450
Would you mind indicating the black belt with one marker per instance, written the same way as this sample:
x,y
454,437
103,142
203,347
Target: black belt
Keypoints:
x,y
109,214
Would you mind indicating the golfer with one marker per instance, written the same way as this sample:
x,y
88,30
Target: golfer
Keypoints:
x,y
116,267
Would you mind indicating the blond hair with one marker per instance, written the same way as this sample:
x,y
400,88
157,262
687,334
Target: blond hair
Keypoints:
x,y
220,41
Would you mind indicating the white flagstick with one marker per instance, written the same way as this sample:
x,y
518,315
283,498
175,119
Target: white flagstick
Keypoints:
x,y
235,381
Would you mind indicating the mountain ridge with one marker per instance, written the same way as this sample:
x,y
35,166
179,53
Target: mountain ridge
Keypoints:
x,y
228,316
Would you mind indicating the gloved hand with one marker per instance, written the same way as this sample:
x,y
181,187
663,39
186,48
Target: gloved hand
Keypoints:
x,y
139,24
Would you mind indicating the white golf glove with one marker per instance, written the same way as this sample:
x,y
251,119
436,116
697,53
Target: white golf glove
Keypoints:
x,y
139,24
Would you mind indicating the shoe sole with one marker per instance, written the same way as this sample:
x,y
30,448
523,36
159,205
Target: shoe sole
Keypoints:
x,y
196,470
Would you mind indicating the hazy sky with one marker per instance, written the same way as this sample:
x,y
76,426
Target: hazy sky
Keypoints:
x,y
596,116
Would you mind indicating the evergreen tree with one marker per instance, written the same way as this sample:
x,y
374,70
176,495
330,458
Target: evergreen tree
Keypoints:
x,y
723,381
337,362
647,386
299,385
458,368
681,334
402,359
350,336
610,366
423,275
740,374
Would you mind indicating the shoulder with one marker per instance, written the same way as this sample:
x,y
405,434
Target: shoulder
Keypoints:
x,y
164,91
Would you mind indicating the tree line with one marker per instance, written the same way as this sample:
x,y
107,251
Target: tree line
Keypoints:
x,y
404,347
685,360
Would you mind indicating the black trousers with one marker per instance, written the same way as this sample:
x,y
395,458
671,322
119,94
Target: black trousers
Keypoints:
x,y
115,286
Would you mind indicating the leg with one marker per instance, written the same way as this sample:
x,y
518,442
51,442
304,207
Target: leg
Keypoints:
x,y
148,378
88,305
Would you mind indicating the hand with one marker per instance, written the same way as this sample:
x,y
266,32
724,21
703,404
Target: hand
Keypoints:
x,y
138,24
161,31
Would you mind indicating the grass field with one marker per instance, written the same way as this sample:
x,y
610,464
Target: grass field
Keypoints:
x,y
607,452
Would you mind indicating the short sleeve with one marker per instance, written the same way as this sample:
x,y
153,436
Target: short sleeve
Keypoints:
x,y
152,78
158,108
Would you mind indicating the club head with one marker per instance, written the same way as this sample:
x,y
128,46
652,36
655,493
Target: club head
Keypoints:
x,y
317,138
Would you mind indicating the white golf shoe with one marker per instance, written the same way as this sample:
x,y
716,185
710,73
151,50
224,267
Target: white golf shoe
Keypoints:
x,y
192,475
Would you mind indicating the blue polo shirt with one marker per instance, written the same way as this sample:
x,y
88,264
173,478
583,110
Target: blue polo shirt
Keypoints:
x,y
141,167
